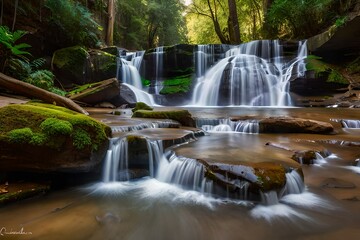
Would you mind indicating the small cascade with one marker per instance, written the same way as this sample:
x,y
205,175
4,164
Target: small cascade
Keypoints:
x,y
183,171
159,68
156,154
116,161
204,59
254,74
158,124
141,96
130,74
227,125
137,59
350,123
294,183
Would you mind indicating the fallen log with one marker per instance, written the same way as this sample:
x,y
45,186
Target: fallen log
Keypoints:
x,y
29,90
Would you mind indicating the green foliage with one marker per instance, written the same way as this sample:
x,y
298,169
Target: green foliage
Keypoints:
x,y
340,21
299,18
336,77
22,135
141,106
41,78
8,47
54,126
38,139
81,139
75,22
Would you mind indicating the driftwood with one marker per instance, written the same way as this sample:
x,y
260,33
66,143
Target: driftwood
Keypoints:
x,y
29,90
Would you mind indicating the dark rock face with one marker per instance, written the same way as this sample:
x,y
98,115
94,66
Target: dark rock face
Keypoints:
x,y
75,66
30,158
294,125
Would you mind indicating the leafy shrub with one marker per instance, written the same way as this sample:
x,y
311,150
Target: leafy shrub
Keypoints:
x,y
81,139
54,126
75,22
41,78
21,135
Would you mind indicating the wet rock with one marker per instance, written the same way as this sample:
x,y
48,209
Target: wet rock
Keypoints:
x,y
337,183
16,191
108,218
182,116
304,156
103,65
294,125
96,93
353,199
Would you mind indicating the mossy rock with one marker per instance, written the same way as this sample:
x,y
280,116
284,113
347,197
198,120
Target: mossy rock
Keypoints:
x,y
70,65
141,106
179,84
103,65
44,136
182,116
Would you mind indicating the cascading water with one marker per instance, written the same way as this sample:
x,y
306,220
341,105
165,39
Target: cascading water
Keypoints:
x,y
159,65
116,161
204,59
227,125
350,123
254,74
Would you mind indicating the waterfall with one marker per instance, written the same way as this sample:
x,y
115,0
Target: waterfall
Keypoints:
x,y
141,96
137,59
130,74
204,59
294,183
183,171
156,154
254,74
159,65
116,161
350,123
227,125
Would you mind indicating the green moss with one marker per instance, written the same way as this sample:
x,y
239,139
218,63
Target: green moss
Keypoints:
x,y
81,139
182,116
141,106
22,135
50,126
54,126
179,84
336,77
145,82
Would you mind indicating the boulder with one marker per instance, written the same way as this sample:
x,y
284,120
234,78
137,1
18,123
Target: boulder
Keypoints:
x,y
294,125
76,66
46,138
71,66
95,93
182,116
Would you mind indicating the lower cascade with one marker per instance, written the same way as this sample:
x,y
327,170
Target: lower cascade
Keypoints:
x,y
191,174
350,123
227,125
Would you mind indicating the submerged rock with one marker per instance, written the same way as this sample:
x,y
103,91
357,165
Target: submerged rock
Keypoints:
x,y
294,125
46,138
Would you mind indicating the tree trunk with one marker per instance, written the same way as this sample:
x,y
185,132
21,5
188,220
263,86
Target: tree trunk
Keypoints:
x,y
233,23
15,13
2,11
32,91
111,21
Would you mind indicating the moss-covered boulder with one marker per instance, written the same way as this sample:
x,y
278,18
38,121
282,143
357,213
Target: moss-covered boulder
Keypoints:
x,y
71,66
182,116
48,138
103,65
141,106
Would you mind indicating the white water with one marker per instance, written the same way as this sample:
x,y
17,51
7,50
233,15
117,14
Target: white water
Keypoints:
x,y
116,161
252,74
141,96
227,125
159,68
350,123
